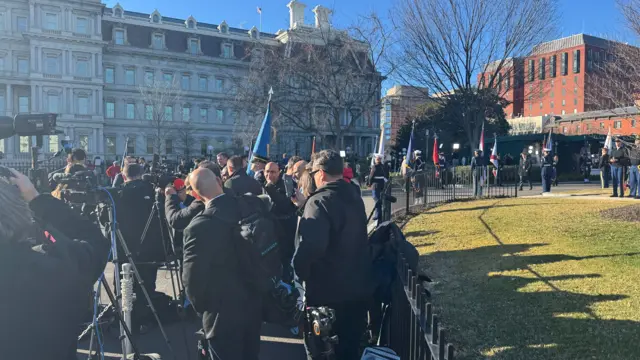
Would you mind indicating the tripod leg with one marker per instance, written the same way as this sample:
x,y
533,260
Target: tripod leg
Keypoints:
x,y
144,291
117,312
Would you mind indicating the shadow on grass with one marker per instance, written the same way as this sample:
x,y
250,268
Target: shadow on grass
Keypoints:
x,y
421,233
485,208
524,317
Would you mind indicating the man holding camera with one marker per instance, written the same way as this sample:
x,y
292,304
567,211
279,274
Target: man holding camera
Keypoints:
x,y
333,255
214,280
45,275
239,182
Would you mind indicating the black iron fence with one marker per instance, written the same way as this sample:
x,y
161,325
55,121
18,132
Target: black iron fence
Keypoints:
x,y
433,186
415,332
23,164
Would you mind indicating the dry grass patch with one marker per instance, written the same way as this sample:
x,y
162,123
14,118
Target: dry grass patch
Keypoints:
x,y
533,279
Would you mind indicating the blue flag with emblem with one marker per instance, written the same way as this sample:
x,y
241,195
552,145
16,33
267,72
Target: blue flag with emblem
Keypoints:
x,y
409,158
260,148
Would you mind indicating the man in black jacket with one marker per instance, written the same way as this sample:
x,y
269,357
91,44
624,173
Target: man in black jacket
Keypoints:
x,y
333,257
605,168
619,160
285,213
634,170
213,278
44,286
239,182
524,170
378,177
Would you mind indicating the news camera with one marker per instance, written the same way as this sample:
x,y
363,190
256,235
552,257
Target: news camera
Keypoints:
x,y
319,332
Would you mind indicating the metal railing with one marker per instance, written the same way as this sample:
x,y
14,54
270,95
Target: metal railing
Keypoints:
x,y
433,186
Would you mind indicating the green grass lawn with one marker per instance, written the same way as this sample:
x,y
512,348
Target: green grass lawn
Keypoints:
x,y
533,279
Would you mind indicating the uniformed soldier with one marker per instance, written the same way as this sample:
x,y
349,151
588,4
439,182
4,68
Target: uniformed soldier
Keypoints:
x,y
547,169
556,171
258,163
585,166
524,170
377,179
477,172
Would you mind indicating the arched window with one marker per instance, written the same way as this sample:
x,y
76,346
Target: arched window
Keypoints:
x,y
156,18
191,24
118,13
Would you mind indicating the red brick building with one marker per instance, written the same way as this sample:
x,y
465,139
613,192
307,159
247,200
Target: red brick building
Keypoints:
x,y
621,121
553,80
400,103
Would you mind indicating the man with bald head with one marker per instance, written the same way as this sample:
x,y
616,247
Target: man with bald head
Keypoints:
x,y
298,169
214,281
284,212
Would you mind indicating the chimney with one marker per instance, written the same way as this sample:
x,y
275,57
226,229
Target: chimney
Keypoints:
x,y
296,13
322,16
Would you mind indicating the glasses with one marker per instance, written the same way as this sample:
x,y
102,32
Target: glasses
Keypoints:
x,y
314,172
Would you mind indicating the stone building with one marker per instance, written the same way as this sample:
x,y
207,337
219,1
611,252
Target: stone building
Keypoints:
x,y
114,75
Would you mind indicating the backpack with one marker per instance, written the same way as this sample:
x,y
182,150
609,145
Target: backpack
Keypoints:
x,y
257,243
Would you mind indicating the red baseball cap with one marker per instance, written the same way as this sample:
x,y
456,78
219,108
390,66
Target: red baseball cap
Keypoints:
x,y
178,184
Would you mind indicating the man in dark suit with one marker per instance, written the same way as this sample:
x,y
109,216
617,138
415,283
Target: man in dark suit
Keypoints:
x,y
524,170
213,278
619,160
239,182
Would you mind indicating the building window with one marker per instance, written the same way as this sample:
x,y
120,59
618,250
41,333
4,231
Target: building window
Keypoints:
x,y
2,100
82,67
219,85
601,125
21,23
552,66
551,94
220,115
2,22
117,12
576,61
564,129
617,124
168,144
150,145
110,144
109,75
131,146
575,101
54,145
588,126
575,91
51,21
148,78
52,103
589,59
530,106
156,18
25,144
110,109
1,63
168,79
507,81
551,104
564,63
158,41
191,24
131,111
23,65
118,37
83,105
186,113
202,83
82,25
83,142
23,104
541,105
204,114
564,81
130,76
52,64
633,123
532,70
148,112
186,82
226,51
563,102
541,68
193,46
564,92
168,113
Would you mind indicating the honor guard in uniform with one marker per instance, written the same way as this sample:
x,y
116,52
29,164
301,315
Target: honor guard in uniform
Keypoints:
x,y
634,170
585,166
377,179
477,172
556,172
547,169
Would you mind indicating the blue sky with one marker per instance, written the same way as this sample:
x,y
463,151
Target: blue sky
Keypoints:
x,y
595,17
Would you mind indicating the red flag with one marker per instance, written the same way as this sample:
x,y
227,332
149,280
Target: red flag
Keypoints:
x,y
436,157
313,146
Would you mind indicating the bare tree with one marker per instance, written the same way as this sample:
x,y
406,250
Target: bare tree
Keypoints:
x,y
442,45
326,81
160,98
185,139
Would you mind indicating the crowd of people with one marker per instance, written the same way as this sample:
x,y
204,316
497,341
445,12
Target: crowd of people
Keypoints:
x,y
321,230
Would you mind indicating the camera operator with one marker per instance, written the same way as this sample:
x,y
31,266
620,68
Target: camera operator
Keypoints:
x,y
121,178
44,287
239,182
134,204
332,257
213,278
285,213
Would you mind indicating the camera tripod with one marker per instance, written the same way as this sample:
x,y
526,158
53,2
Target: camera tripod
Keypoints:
x,y
125,333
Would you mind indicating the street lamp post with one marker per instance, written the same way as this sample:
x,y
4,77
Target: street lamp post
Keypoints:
x,y
426,150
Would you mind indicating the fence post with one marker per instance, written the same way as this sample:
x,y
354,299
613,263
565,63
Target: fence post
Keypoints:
x,y
455,182
407,187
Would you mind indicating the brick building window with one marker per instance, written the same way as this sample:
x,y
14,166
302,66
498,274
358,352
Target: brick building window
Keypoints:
x,y
633,123
601,125
507,81
588,126
564,64
617,124
552,66
541,68
551,104
499,83
532,69
575,101
564,129
576,61
589,59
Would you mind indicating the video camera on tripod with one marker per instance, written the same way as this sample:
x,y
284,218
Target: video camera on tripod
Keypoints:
x,y
36,125
319,332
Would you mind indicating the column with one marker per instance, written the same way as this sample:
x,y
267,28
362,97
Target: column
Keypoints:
x,y
68,12
9,100
96,102
32,58
32,99
98,22
94,67
100,102
100,149
94,147
32,14
100,70
11,146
